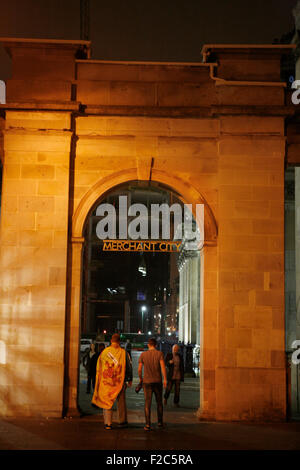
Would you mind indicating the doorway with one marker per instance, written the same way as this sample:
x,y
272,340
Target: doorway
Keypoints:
x,y
140,294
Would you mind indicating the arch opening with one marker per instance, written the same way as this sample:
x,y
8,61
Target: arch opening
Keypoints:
x,y
140,293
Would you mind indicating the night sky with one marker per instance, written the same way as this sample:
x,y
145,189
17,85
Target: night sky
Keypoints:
x,y
171,30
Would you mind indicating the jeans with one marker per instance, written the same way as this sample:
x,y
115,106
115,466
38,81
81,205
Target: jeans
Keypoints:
x,y
149,389
169,388
90,380
122,409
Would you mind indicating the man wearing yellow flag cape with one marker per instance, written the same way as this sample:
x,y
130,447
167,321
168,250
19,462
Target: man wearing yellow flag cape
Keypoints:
x,y
114,372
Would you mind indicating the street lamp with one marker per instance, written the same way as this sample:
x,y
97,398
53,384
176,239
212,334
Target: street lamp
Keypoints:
x,y
143,309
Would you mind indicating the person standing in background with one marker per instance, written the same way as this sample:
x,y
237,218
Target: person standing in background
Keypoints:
x,y
90,363
154,367
174,362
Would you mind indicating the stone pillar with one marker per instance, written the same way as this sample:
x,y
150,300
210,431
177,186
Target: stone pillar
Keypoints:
x,y
34,229
73,328
90,308
289,246
297,249
294,325
181,303
209,306
292,253
296,13
194,299
187,305
251,367
189,308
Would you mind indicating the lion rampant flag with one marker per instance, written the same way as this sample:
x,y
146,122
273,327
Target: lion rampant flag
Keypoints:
x,y
110,376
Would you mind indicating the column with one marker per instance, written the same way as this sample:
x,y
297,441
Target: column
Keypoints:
x,y
208,331
73,327
294,327
33,260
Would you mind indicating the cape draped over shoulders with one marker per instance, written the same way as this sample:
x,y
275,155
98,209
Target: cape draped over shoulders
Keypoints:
x,y
110,376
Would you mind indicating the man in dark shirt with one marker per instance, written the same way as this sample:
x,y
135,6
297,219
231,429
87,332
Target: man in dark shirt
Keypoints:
x,y
154,367
175,367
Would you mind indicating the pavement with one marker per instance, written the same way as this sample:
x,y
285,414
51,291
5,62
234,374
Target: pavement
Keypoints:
x,y
182,431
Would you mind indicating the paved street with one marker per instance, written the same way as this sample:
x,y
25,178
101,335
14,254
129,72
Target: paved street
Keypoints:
x,y
183,431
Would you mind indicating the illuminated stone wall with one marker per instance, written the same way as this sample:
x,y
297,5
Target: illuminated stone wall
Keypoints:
x,y
34,229
216,142
34,217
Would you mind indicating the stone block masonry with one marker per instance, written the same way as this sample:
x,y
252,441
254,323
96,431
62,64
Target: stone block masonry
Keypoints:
x,y
74,129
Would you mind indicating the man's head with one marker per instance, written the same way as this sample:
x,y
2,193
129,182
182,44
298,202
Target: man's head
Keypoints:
x,y
115,338
175,349
152,343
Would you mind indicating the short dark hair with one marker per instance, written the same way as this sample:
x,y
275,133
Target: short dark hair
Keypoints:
x,y
115,338
152,342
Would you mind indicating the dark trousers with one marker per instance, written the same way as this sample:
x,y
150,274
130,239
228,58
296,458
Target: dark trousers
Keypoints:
x,y
169,388
90,380
149,389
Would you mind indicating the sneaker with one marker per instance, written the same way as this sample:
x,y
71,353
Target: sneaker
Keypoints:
x,y
147,428
160,425
108,427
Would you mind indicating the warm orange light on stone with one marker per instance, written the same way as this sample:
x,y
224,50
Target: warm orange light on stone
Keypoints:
x,y
75,129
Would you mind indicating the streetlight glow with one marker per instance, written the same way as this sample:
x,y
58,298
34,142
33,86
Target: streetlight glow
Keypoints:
x,y
143,309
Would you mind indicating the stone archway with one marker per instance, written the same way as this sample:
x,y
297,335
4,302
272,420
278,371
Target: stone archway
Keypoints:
x,y
188,194
220,133
186,191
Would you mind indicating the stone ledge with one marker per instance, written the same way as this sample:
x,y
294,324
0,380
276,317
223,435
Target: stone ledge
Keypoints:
x,y
188,111
43,105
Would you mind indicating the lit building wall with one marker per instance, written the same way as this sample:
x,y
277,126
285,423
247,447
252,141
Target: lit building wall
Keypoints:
x,y
213,133
34,226
34,229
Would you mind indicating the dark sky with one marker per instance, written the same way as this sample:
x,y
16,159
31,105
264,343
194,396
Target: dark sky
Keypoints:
x,y
172,30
